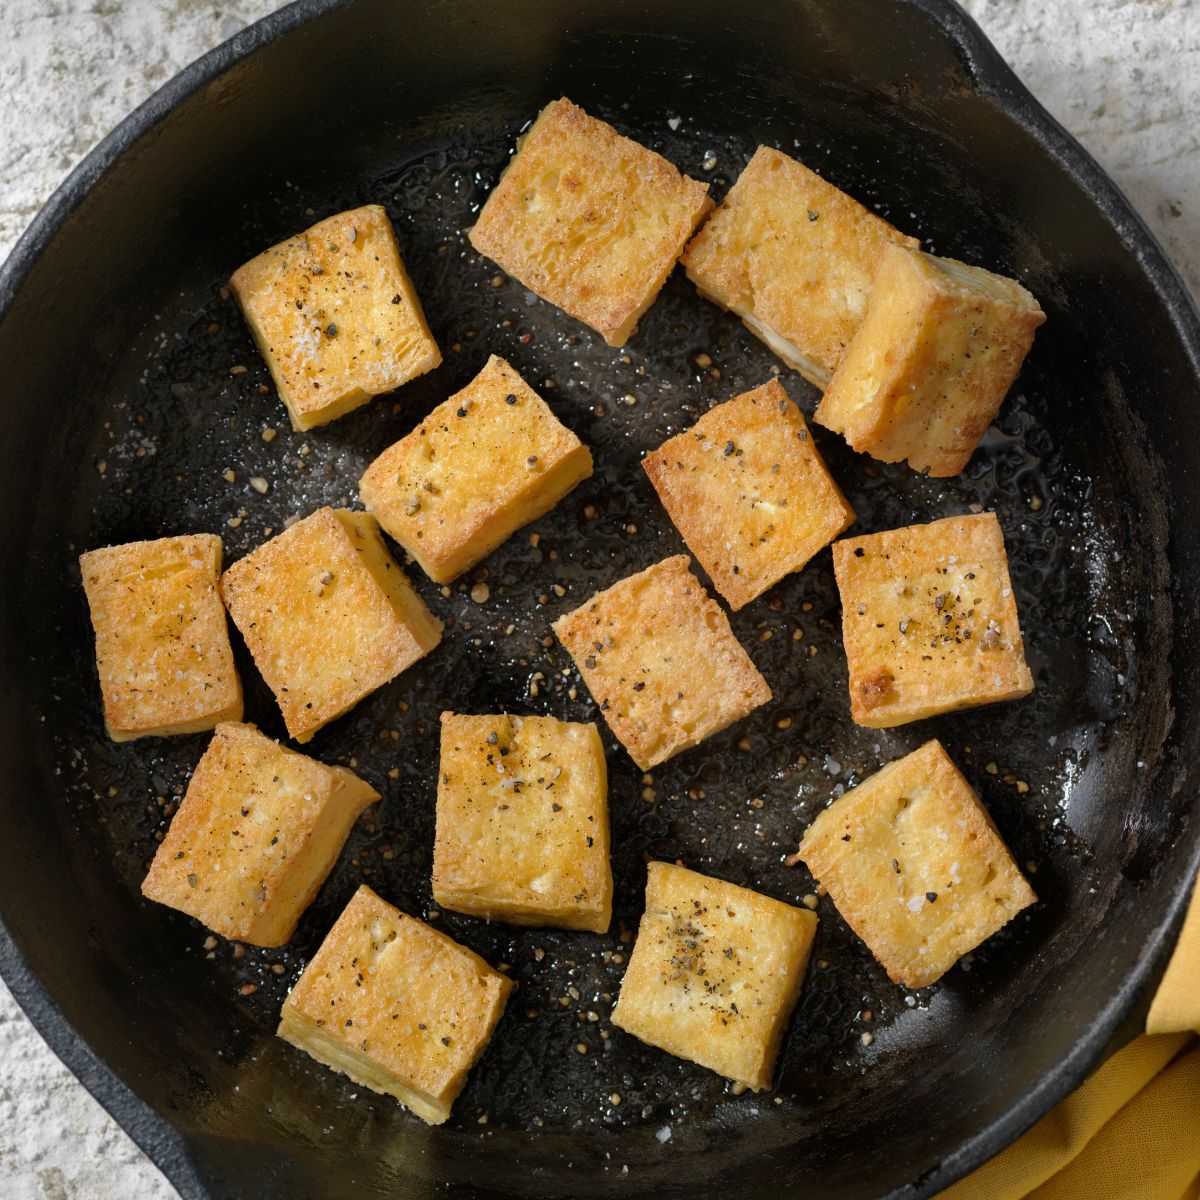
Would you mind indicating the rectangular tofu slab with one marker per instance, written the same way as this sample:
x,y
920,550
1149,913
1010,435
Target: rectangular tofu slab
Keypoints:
x,y
328,616
660,660
931,363
335,316
522,822
916,867
162,645
749,492
589,220
715,973
485,462
929,620
258,831
396,1006
794,257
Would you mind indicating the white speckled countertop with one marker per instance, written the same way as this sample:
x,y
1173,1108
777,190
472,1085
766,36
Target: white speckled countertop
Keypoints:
x,y
1123,75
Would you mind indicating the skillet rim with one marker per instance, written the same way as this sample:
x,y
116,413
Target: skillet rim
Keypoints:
x,y
994,80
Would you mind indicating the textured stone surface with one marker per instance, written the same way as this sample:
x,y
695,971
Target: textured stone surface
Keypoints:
x,y
1123,75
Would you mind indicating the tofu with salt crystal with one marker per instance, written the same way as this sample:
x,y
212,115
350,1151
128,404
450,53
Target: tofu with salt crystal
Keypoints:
x,y
396,1006
715,973
916,867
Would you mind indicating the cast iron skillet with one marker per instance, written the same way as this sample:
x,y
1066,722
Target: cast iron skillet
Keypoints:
x,y
122,414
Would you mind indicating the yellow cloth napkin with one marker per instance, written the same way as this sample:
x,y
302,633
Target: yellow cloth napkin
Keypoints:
x,y
1132,1131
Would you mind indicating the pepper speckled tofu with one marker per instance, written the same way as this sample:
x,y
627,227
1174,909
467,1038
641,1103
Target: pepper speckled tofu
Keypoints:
x,y
749,492
715,973
335,316
794,257
929,620
589,220
485,462
162,644
916,867
930,365
259,829
660,660
522,822
396,1006
328,616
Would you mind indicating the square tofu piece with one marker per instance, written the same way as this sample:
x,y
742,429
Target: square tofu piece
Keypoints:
x,y
929,367
522,822
328,616
257,833
162,645
929,620
715,973
915,866
794,258
335,316
588,219
395,1005
749,492
490,459
660,660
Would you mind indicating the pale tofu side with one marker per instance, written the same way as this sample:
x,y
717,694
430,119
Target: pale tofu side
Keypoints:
x,y
929,620
522,822
589,220
488,460
660,660
715,973
328,616
915,865
396,1006
794,257
749,492
335,316
929,367
258,831
162,645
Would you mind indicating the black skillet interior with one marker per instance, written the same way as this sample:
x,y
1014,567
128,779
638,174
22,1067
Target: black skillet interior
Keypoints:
x,y
123,415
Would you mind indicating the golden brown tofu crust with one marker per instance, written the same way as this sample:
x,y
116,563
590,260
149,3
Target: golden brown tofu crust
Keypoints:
x,y
660,660
491,458
916,867
335,315
396,1006
929,620
929,367
794,257
162,645
324,629
749,492
522,822
258,831
715,973
589,220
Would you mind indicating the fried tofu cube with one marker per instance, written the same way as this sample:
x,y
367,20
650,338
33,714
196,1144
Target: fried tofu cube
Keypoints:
x,y
522,822
749,492
930,365
589,220
715,973
929,620
162,645
335,316
395,1005
794,257
328,616
258,831
915,866
485,462
660,660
